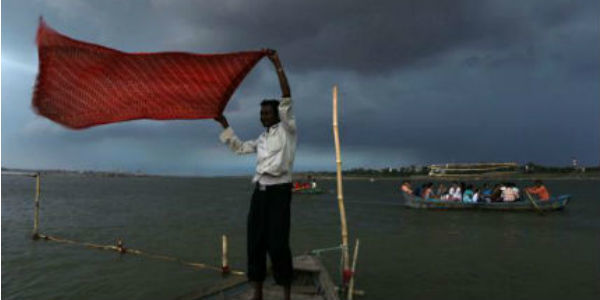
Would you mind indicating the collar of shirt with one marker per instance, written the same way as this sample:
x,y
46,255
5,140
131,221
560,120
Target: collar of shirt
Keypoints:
x,y
273,127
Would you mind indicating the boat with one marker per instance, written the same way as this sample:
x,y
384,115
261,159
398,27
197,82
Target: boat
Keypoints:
x,y
311,191
555,203
473,169
311,282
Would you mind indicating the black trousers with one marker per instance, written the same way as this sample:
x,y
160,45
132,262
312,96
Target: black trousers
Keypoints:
x,y
269,232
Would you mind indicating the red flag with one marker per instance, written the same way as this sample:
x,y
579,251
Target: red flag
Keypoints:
x,y
81,84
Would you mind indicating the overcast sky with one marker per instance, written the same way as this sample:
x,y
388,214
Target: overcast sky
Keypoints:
x,y
421,82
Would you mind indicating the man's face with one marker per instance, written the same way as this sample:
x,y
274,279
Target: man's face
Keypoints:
x,y
268,117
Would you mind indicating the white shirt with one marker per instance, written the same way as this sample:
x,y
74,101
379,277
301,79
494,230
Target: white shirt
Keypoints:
x,y
516,191
508,194
275,148
455,193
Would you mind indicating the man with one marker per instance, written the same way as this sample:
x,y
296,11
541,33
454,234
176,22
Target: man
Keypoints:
x,y
269,216
427,192
539,190
406,188
496,193
509,193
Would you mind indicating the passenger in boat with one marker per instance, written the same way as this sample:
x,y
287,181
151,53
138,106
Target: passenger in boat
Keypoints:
x,y
496,193
477,196
539,190
516,191
309,182
313,184
454,192
419,190
442,190
406,187
486,193
468,194
427,192
508,193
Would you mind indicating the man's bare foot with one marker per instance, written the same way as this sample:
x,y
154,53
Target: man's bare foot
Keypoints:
x,y
258,290
287,291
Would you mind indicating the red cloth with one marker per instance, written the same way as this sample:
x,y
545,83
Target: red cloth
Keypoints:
x,y
347,275
81,84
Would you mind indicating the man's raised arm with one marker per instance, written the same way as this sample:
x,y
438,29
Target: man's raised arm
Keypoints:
x,y
285,106
285,87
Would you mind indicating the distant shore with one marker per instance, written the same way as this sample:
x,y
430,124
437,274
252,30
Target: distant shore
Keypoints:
x,y
520,177
302,176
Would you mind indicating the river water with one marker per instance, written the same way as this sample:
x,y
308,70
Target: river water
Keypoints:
x,y
404,253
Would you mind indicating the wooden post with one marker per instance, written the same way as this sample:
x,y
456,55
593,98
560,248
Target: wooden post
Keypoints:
x,y
224,262
351,286
340,193
36,208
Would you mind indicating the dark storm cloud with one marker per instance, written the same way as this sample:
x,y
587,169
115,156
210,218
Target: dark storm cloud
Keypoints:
x,y
420,81
373,36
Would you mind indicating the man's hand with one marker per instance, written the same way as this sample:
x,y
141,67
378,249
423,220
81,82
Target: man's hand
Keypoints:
x,y
270,52
273,57
223,121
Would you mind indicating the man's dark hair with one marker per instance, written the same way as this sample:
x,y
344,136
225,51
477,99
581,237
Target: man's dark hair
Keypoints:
x,y
271,102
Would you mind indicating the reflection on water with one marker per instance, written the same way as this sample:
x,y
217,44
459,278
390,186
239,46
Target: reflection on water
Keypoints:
x,y
404,253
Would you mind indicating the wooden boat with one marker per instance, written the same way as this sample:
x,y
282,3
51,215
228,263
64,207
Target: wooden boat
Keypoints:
x,y
555,203
311,191
473,169
311,282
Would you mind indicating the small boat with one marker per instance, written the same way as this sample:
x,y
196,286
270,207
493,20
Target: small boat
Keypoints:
x,y
308,191
555,203
311,282
473,169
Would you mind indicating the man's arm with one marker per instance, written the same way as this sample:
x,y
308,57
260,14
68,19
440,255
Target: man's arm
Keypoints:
x,y
285,106
229,138
283,83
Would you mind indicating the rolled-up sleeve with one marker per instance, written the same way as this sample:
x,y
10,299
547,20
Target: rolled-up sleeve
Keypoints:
x,y
288,121
229,138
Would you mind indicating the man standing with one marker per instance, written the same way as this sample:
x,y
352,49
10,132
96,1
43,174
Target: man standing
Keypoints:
x,y
269,216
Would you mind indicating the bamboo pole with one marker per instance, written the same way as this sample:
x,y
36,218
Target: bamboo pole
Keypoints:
x,y
537,208
340,193
36,207
224,261
351,285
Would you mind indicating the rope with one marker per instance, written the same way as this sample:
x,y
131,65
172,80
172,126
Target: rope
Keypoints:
x,y
119,247
319,251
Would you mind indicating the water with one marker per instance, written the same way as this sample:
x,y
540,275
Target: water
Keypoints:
x,y
410,254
